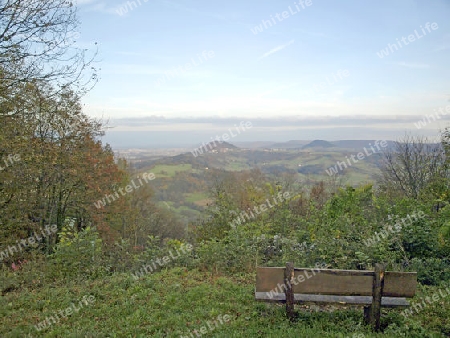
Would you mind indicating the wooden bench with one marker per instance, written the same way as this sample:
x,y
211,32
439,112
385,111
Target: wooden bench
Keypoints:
x,y
371,289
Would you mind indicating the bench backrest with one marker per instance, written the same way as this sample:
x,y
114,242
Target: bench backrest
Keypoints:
x,y
336,282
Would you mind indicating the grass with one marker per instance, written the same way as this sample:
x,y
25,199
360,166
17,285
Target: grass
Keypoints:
x,y
174,302
170,170
235,164
196,197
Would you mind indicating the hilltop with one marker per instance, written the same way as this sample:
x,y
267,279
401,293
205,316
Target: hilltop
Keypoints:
x,y
216,145
318,144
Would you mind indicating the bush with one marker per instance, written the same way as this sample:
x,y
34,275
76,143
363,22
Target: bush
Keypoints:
x,y
431,271
179,253
237,252
78,254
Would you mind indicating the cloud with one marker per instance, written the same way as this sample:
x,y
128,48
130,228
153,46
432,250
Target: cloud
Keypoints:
x,y
158,122
159,132
413,65
263,105
313,34
276,49
444,45
153,131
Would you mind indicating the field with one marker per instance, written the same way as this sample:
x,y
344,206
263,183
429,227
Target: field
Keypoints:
x,y
170,170
182,181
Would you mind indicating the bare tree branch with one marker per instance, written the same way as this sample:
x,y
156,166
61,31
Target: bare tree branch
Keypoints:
x,y
412,165
37,43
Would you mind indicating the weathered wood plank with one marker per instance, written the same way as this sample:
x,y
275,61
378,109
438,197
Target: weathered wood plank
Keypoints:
x,y
336,282
336,272
353,300
400,284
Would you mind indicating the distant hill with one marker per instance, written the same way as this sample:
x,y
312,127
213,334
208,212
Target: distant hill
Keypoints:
x,y
352,145
313,158
217,145
225,145
357,144
318,144
293,144
254,145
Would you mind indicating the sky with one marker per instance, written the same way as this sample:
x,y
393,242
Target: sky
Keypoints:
x,y
181,71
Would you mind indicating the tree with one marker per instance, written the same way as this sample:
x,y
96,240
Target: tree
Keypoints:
x,y
445,139
63,167
37,42
412,165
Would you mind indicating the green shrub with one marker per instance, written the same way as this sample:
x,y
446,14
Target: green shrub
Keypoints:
x,y
78,254
431,271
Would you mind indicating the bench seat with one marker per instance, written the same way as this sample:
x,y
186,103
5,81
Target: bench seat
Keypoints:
x,y
354,300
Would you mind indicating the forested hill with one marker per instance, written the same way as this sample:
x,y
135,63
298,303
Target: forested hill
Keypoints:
x,y
312,159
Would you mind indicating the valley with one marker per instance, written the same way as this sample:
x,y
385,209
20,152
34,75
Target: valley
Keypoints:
x,y
182,181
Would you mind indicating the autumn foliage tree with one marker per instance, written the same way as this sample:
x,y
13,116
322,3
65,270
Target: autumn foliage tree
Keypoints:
x,y
60,166
63,167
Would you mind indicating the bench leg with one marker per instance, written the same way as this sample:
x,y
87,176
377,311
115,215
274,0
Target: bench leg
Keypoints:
x,y
367,311
288,278
374,311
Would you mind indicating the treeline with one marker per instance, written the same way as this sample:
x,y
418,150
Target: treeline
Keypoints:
x,y
54,167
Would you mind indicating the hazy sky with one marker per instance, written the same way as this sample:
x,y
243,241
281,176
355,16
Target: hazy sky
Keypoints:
x,y
251,59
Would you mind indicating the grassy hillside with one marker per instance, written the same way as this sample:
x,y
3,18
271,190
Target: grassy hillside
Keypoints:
x,y
176,301
170,170
269,161
182,181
